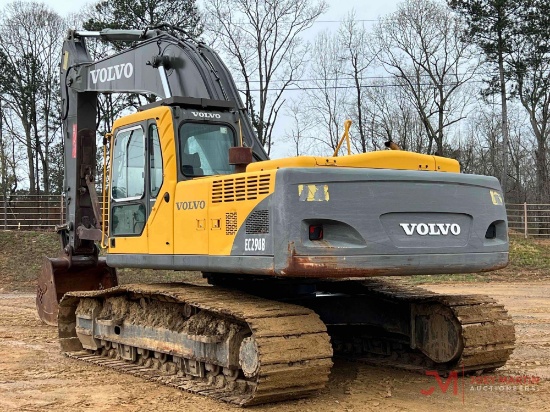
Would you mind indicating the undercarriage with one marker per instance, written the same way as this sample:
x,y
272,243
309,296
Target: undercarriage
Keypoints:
x,y
227,345
246,349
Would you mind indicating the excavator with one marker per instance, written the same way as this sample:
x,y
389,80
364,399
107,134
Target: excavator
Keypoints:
x,y
296,251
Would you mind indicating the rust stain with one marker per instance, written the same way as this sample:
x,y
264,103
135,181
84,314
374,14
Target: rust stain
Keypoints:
x,y
334,267
329,267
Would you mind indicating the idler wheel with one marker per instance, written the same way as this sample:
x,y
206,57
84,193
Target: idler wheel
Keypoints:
x,y
249,357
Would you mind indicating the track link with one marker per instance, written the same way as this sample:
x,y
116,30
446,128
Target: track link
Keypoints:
x,y
486,329
294,351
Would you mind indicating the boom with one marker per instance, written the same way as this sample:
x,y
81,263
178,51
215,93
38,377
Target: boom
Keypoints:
x,y
158,64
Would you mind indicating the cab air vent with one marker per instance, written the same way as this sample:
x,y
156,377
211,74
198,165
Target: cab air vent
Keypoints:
x,y
240,188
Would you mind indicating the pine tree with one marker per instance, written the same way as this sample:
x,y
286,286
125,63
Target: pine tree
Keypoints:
x,y
490,24
139,14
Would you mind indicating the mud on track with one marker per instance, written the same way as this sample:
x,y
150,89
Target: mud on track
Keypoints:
x,y
34,376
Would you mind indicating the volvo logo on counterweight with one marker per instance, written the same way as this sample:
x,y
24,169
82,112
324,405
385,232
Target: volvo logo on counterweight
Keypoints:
x,y
431,229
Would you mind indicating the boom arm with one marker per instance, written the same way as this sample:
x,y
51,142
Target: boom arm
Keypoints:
x,y
159,64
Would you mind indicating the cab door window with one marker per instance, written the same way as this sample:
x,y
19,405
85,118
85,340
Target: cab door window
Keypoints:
x,y
128,165
128,183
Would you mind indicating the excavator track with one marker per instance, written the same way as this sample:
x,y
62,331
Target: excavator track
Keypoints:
x,y
292,355
485,330
283,350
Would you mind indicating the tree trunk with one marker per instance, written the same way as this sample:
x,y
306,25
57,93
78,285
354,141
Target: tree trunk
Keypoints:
x,y
30,159
504,119
4,171
542,172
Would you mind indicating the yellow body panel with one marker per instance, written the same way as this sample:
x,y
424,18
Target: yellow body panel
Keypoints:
x,y
131,244
191,224
233,199
300,161
161,219
444,164
386,159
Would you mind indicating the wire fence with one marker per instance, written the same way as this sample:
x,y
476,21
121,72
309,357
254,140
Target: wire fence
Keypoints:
x,y
31,212
43,212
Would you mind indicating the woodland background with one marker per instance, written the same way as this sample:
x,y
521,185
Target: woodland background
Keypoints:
x,y
468,79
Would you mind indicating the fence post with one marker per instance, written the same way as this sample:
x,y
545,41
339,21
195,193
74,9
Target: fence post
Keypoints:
x,y
61,214
4,172
526,228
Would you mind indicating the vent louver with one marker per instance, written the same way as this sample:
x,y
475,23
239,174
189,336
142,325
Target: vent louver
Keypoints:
x,y
240,188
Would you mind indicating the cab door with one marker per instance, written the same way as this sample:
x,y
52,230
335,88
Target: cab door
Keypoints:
x,y
160,223
128,196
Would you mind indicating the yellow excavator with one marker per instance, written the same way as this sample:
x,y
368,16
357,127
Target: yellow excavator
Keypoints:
x,y
294,250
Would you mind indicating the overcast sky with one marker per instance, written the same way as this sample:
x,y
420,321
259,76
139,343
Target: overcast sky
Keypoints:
x,y
365,9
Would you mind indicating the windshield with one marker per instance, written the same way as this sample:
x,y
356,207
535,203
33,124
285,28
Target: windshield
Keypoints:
x,y
204,149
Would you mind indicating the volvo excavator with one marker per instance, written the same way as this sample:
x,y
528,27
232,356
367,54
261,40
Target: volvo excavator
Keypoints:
x,y
296,251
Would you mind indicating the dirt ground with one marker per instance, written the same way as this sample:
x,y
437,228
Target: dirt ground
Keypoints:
x,y
34,376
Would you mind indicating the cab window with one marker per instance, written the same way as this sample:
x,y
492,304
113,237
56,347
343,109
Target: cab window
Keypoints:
x,y
155,162
128,213
204,149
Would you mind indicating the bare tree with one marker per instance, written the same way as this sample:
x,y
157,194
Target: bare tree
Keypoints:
x,y
530,65
421,45
327,91
480,150
8,160
301,128
356,59
30,47
13,154
389,115
263,38
523,183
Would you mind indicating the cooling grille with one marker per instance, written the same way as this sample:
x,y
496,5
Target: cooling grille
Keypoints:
x,y
258,222
240,188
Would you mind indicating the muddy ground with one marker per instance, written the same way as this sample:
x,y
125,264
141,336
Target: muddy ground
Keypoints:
x,y
34,376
